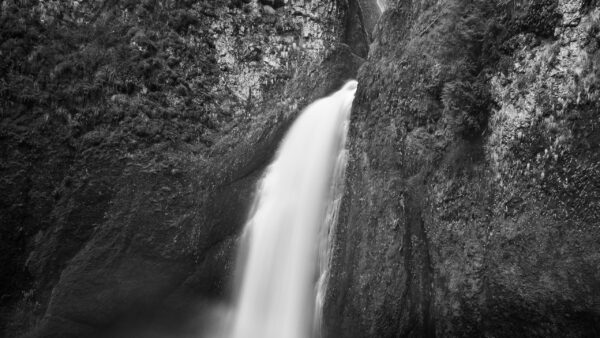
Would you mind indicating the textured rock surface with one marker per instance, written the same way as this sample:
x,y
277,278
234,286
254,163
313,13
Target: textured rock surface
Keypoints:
x,y
133,134
132,138
471,205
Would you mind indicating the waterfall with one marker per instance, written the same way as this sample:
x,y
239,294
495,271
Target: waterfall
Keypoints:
x,y
285,249
326,234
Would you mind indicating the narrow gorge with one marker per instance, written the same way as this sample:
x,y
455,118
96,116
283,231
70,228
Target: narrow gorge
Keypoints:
x,y
134,136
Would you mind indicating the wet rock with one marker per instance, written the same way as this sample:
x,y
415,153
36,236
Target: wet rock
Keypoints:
x,y
126,208
492,233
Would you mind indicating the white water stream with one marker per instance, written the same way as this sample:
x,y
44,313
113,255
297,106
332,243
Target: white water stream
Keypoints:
x,y
285,251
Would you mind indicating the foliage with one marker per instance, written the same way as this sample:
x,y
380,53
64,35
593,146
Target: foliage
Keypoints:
x,y
84,85
478,42
467,101
56,60
541,18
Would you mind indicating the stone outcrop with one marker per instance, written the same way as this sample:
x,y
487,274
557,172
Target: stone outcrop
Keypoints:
x,y
133,134
471,204
131,215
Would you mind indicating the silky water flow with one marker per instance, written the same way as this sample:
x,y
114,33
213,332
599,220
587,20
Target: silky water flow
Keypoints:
x,y
284,255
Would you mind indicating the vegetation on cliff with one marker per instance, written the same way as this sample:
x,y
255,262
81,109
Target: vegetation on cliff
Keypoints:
x,y
126,128
471,200
132,133
85,86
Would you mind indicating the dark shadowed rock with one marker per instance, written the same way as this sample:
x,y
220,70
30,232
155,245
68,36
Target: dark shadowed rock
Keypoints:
x,y
133,135
461,222
130,214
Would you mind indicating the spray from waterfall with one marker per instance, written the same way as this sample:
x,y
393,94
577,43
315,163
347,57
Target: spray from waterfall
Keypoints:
x,y
285,252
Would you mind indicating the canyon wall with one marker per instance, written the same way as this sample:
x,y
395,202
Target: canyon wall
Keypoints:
x,y
471,204
133,134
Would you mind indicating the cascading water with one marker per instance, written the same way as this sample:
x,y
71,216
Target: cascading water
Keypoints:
x,y
285,239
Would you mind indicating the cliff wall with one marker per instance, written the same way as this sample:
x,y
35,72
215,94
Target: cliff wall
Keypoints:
x,y
132,137
471,204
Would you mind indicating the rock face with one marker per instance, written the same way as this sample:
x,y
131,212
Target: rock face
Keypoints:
x,y
133,134
471,204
